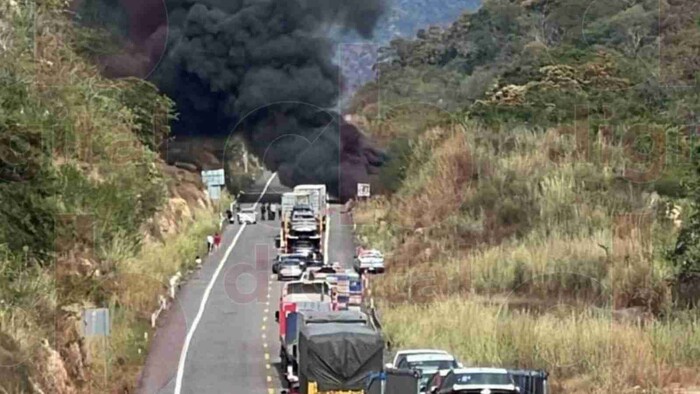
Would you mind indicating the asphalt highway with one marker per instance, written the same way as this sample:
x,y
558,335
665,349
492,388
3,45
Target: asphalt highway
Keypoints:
x,y
220,336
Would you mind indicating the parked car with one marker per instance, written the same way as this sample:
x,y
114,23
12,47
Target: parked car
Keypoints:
x,y
291,268
401,355
304,248
278,259
369,261
247,215
477,381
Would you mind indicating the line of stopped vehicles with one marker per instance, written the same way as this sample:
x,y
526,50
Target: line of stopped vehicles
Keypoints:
x,y
331,341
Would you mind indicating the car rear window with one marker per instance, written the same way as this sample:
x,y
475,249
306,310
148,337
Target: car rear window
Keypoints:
x,y
433,364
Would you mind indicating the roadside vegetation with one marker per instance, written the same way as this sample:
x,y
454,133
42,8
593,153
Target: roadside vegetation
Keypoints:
x,y
90,216
540,208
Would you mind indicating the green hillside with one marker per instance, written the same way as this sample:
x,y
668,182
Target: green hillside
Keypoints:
x,y
541,150
80,185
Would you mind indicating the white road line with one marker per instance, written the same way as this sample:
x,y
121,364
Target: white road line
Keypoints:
x,y
325,238
205,297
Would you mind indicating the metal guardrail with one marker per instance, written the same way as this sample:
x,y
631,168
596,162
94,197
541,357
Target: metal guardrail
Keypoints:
x,y
373,314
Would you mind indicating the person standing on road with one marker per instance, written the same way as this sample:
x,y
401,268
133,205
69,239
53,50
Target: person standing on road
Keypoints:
x,y
217,240
210,243
262,211
273,210
279,211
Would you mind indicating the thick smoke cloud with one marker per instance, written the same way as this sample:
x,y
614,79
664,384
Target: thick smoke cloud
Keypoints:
x,y
263,69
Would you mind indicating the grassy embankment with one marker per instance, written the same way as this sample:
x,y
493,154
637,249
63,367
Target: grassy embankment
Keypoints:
x,y
81,189
507,257
537,147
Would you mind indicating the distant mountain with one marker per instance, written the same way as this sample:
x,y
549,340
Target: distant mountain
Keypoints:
x,y
404,19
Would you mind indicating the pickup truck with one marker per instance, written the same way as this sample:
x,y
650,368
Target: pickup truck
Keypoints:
x,y
290,268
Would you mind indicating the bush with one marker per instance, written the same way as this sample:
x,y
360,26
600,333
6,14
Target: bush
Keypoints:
x,y
393,174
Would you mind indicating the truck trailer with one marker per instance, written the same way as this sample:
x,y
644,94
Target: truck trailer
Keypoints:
x,y
297,319
318,198
338,357
299,223
292,199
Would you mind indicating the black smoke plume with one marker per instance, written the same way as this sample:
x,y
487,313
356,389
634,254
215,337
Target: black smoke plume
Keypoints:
x,y
261,69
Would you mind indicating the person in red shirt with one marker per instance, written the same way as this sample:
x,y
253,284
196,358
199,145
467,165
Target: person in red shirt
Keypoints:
x,y
217,240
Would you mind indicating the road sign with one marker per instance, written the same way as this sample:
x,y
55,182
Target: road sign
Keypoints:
x,y
214,192
96,322
213,177
363,190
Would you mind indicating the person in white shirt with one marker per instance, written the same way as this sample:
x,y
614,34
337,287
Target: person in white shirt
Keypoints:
x,y
210,243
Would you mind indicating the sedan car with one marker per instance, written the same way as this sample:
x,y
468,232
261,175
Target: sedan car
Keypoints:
x,y
369,261
304,247
477,381
247,215
278,260
290,268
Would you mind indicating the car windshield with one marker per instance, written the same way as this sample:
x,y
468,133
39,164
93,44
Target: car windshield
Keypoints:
x,y
433,364
483,378
290,262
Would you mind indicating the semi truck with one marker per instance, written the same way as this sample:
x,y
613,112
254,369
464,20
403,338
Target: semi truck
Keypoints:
x,y
337,352
289,320
302,316
300,223
298,296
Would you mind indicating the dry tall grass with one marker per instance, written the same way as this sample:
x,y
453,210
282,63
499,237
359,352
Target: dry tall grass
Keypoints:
x,y
519,248
585,352
134,291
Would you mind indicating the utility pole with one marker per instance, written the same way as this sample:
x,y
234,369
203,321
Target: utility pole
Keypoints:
x,y
245,159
